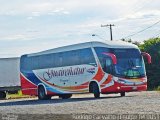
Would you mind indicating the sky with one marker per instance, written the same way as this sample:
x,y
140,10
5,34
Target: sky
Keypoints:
x,y
28,26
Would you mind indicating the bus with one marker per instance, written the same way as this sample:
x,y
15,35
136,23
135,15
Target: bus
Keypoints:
x,y
90,67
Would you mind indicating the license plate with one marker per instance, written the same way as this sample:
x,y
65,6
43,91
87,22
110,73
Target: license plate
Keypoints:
x,y
134,88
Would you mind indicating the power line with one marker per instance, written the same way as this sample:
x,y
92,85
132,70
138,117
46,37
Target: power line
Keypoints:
x,y
157,35
139,6
141,30
98,36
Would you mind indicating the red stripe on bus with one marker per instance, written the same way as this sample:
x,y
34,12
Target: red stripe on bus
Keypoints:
x,y
28,88
99,75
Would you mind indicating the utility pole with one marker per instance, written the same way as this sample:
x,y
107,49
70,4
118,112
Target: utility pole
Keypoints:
x,y
110,25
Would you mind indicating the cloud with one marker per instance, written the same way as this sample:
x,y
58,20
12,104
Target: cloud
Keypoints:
x,y
29,7
144,14
50,22
16,37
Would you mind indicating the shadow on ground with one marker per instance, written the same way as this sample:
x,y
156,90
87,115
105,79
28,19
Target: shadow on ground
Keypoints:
x,y
54,101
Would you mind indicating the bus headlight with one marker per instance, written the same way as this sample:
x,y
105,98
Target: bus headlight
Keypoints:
x,y
121,81
115,78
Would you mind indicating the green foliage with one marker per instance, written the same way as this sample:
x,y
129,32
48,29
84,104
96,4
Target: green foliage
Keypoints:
x,y
158,88
152,46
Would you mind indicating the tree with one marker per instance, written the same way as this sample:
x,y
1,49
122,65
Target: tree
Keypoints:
x,y
152,46
130,41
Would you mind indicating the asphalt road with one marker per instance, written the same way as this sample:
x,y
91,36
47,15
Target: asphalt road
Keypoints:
x,y
147,103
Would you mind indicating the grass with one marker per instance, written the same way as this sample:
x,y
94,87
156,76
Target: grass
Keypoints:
x,y
18,96
158,88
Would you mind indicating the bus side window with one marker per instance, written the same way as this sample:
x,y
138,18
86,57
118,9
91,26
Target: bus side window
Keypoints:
x,y
102,61
56,60
108,65
86,56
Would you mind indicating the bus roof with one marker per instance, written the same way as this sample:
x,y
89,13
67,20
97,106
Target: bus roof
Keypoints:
x,y
108,44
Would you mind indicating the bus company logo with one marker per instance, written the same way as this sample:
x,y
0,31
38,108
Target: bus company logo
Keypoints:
x,y
51,73
91,70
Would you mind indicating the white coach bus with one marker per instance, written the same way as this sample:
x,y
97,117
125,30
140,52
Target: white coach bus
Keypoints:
x,y
90,67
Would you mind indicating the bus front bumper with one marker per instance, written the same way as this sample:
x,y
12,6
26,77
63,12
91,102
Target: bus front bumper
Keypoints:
x,y
118,88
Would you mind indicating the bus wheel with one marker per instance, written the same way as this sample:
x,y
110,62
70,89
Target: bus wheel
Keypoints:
x,y
122,94
41,94
95,90
2,95
65,96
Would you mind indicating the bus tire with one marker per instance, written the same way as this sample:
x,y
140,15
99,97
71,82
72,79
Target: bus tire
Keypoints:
x,y
65,96
122,94
2,94
42,94
95,90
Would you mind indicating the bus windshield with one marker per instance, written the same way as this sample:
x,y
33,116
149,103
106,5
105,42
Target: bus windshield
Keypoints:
x,y
130,63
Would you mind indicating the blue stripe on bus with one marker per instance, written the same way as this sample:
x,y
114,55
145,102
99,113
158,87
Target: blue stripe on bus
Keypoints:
x,y
32,77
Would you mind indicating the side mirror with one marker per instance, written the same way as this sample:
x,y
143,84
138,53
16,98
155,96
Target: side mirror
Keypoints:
x,y
112,56
149,59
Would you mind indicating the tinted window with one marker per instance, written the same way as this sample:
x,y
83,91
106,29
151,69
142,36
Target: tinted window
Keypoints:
x,y
102,58
129,63
68,58
100,50
86,56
